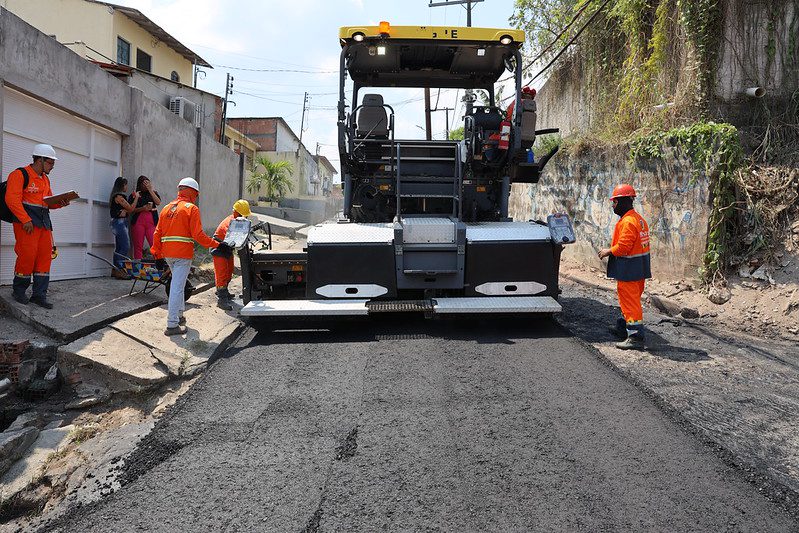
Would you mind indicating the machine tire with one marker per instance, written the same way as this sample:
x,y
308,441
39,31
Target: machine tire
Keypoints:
x,y
188,290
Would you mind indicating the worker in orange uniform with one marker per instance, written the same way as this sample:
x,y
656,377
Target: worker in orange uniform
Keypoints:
x,y
179,227
223,256
629,265
33,231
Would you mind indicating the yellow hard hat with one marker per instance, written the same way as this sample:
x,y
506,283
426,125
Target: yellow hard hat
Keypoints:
x,y
242,207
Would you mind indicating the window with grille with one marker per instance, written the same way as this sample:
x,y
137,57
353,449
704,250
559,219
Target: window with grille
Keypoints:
x,y
144,61
123,51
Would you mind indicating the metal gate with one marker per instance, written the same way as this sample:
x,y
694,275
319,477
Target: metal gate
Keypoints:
x,y
88,162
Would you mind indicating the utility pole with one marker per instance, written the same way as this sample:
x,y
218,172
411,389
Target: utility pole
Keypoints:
x,y
458,2
197,70
228,92
427,118
302,184
445,110
302,121
468,97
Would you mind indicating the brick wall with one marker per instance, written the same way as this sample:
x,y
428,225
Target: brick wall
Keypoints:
x,y
261,130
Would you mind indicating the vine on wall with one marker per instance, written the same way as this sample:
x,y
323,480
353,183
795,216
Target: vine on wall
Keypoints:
x,y
715,151
647,73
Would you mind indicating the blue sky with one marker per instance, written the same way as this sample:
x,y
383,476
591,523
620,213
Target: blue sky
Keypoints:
x,y
302,35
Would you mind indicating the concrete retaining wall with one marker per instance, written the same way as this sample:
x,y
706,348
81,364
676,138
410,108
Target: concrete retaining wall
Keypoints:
x,y
302,216
569,100
38,65
155,142
219,181
675,205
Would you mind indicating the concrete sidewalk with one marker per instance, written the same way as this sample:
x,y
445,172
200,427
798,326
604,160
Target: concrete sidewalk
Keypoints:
x,y
282,227
81,306
133,354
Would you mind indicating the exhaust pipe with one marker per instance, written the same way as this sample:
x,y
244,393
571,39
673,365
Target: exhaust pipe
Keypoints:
x,y
755,92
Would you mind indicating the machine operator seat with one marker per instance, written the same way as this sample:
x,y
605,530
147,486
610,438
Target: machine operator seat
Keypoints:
x,y
372,120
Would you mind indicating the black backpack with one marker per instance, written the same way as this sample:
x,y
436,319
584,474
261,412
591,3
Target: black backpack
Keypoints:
x,y
5,213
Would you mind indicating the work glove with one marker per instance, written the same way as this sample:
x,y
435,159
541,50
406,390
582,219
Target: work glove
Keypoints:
x,y
223,250
161,264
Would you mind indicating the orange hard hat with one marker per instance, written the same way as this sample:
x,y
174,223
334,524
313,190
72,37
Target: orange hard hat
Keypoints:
x,y
623,190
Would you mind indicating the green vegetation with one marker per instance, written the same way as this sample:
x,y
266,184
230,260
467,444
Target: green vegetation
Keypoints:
x,y
545,143
273,176
456,134
715,150
646,70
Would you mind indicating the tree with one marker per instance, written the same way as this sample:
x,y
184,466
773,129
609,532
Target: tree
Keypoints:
x,y
456,134
275,178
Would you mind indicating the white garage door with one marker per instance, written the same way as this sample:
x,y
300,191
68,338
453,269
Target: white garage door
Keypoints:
x,y
88,162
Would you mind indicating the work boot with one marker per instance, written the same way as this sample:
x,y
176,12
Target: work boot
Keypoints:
x,y
182,321
632,342
223,293
119,274
20,285
40,284
177,330
620,329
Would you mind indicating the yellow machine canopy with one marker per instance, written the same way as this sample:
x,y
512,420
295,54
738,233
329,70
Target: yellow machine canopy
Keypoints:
x,y
428,56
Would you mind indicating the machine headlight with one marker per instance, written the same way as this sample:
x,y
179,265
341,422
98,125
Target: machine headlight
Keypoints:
x,y
358,36
506,39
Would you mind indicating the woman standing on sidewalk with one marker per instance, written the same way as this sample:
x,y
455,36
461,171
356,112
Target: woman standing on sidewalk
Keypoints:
x,y
143,220
120,209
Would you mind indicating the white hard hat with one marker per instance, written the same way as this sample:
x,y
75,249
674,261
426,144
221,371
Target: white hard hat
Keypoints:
x,y
44,150
189,182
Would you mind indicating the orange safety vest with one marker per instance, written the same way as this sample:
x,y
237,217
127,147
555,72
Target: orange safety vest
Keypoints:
x,y
630,260
28,204
179,226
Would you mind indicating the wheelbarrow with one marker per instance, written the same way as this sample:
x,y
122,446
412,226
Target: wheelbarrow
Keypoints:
x,y
145,272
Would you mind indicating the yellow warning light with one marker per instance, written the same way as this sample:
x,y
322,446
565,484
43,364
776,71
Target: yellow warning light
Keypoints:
x,y
297,268
385,28
384,187
481,188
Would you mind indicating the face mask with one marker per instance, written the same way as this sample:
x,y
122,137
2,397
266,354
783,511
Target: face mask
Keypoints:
x,y
623,204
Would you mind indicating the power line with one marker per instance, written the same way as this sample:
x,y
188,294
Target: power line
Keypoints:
x,y
296,71
554,41
562,50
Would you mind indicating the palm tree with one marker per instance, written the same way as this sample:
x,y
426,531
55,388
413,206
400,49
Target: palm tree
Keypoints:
x,y
275,178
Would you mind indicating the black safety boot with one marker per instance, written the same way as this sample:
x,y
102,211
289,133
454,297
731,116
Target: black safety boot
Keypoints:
x,y
620,329
633,342
40,284
20,285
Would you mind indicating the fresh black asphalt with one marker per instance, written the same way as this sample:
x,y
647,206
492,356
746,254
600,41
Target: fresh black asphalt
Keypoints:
x,y
409,425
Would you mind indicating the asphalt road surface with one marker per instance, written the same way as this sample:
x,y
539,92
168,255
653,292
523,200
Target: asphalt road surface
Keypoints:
x,y
424,426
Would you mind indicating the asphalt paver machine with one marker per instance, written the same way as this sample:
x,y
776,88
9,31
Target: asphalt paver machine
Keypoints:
x,y
425,224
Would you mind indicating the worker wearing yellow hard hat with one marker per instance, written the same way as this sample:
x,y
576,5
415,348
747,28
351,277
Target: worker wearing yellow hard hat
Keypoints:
x,y
223,260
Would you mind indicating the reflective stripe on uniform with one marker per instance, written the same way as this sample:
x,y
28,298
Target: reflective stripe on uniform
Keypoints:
x,y
175,238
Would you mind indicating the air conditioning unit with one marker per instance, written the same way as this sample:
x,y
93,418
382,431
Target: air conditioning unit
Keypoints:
x,y
186,109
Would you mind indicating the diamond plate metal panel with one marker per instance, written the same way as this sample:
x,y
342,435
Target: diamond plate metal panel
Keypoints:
x,y
506,231
497,304
351,233
305,308
428,230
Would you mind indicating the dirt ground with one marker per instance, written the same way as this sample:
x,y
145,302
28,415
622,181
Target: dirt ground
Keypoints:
x,y
762,300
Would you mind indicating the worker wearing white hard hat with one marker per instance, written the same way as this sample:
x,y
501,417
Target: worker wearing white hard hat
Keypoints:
x,y
25,191
179,227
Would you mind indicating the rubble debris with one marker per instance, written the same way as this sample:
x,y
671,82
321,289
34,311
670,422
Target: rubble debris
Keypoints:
x,y
719,295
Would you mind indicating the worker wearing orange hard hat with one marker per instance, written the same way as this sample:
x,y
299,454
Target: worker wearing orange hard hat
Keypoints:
x,y
223,255
629,264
